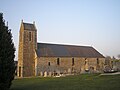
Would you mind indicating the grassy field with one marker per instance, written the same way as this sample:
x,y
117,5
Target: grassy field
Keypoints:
x,y
80,82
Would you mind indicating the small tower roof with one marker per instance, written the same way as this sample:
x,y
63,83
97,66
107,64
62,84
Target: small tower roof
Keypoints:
x,y
29,26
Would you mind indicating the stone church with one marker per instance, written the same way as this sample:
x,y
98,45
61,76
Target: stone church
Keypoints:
x,y
45,59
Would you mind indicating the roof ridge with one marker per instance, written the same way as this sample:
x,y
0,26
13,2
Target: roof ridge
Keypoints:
x,y
64,44
27,23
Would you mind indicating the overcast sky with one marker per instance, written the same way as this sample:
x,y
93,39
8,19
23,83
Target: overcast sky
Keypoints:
x,y
78,22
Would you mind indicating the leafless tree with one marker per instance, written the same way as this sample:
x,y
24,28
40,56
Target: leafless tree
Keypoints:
x,y
107,60
118,56
113,58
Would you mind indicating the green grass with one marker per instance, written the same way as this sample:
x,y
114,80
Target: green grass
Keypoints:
x,y
80,82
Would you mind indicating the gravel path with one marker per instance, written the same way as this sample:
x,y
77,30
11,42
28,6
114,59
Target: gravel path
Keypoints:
x,y
110,73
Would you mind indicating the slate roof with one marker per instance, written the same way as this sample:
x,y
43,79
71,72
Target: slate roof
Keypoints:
x,y
28,26
57,50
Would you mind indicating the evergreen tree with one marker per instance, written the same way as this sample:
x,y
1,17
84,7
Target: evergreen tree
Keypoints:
x,y
7,50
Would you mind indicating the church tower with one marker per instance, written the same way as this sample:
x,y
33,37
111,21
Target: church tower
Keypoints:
x,y
27,48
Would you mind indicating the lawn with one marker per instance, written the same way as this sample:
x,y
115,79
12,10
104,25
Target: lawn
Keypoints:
x,y
79,82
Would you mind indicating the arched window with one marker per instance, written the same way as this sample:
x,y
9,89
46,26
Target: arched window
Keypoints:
x,y
25,36
73,62
29,36
21,35
48,63
19,71
97,61
35,37
58,61
85,61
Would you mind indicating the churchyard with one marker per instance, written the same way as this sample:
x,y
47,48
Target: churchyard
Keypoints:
x,y
77,82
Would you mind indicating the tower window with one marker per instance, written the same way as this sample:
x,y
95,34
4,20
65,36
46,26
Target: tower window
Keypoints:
x,y
35,37
19,71
73,62
25,36
48,63
58,61
21,35
29,36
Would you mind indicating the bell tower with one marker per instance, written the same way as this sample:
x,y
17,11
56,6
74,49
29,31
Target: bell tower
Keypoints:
x,y
27,47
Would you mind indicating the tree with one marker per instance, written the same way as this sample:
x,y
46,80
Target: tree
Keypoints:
x,y
7,50
107,60
119,56
113,58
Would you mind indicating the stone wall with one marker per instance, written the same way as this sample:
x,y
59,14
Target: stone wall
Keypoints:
x,y
20,53
28,54
66,65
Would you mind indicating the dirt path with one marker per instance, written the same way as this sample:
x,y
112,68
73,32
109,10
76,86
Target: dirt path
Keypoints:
x,y
110,73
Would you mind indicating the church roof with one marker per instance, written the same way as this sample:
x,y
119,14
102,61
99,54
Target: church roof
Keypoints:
x,y
28,26
57,50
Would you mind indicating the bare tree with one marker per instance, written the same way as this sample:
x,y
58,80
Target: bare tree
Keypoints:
x,y
107,60
113,58
118,56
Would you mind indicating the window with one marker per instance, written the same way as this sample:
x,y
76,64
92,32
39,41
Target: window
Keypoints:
x,y
73,62
19,71
85,61
29,36
25,36
58,61
35,37
21,36
97,61
48,63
